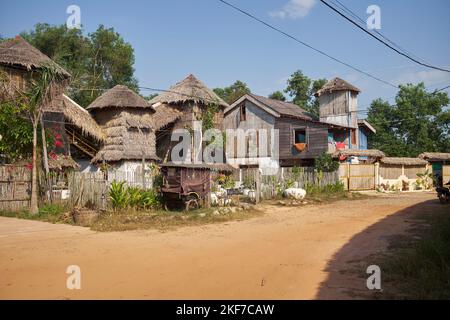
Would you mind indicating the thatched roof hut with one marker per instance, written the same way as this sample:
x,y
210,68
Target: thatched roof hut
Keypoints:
x,y
373,153
180,106
189,89
126,120
119,97
337,84
435,156
403,161
19,53
82,119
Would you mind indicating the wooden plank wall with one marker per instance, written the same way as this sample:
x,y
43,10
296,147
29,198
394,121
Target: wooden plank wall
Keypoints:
x,y
316,135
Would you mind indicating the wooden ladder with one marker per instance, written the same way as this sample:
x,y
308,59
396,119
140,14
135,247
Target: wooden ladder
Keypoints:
x,y
81,143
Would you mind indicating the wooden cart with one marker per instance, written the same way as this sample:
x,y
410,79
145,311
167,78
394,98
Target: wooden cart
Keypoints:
x,y
187,185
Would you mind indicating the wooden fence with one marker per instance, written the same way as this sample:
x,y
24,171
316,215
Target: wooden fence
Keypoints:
x,y
15,187
269,185
357,176
91,189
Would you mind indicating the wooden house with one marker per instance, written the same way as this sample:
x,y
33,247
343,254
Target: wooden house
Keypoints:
x,y
184,103
300,137
338,104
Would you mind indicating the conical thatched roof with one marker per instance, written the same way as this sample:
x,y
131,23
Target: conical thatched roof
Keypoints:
x,y
119,97
337,84
18,52
81,118
189,90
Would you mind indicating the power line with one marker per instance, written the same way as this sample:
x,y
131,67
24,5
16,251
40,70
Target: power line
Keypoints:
x,y
353,14
306,45
380,40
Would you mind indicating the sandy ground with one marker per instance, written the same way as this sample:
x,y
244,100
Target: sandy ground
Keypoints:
x,y
288,253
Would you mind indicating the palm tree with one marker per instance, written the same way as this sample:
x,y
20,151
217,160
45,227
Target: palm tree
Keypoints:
x,y
45,85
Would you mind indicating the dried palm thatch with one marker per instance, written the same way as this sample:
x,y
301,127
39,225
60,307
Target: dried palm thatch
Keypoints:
x,y
164,115
81,119
19,53
61,162
119,97
435,156
403,161
373,153
129,135
189,90
336,84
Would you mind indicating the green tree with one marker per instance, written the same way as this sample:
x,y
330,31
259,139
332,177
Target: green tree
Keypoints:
x,y
277,95
314,102
301,89
325,163
97,61
16,133
418,122
232,93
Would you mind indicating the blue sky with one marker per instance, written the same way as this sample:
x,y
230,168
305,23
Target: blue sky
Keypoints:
x,y
173,38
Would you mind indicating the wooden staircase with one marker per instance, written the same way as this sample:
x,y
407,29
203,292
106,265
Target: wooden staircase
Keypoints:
x,y
81,143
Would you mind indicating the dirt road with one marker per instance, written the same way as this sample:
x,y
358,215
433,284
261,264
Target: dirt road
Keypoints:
x,y
289,253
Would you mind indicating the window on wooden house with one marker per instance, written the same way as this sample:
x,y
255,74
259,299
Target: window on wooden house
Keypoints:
x,y
300,136
242,113
300,140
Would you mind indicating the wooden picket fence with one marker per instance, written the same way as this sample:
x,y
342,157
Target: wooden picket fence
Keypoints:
x,y
268,186
91,189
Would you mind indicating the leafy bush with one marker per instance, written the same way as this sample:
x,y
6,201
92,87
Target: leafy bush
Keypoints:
x,y
134,196
325,163
331,188
149,199
118,195
122,197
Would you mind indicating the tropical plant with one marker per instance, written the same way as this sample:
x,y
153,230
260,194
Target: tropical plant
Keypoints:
x,y
134,196
118,195
425,180
149,199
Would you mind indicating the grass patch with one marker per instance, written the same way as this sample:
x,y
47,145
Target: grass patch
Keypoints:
x,y
419,268
164,220
53,213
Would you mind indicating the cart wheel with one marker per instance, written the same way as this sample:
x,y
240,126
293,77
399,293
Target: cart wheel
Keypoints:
x,y
191,204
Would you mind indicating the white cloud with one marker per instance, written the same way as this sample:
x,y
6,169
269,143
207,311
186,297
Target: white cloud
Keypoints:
x,y
429,77
294,9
